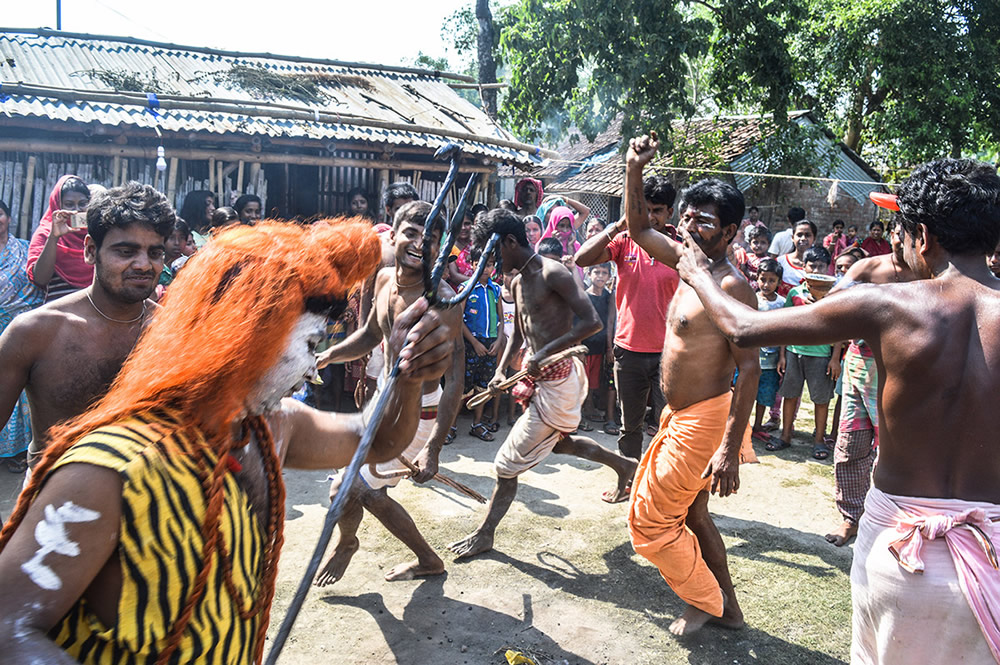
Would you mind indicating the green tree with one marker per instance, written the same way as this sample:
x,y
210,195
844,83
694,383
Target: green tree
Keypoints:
x,y
905,81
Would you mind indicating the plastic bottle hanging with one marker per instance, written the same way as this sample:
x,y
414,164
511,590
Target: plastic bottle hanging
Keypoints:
x,y
161,163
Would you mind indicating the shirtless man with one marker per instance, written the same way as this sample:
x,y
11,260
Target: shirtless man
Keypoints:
x,y
396,289
936,344
545,293
66,353
154,533
854,452
704,423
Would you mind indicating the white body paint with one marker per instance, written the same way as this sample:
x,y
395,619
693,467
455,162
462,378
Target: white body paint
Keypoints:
x,y
52,537
296,365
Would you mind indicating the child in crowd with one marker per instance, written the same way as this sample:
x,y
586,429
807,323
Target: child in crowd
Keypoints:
x,y
815,365
793,264
847,242
768,279
993,261
876,244
831,240
185,244
224,217
533,229
484,339
600,346
759,239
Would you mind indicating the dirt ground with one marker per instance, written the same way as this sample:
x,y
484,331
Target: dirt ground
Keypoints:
x,y
563,584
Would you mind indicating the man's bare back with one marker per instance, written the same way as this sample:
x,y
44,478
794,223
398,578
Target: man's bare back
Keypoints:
x,y
65,355
541,307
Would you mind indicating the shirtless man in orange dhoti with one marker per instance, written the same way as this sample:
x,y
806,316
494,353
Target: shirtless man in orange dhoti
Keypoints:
x,y
704,425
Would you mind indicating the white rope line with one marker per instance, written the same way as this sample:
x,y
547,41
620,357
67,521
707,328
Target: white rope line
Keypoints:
x,y
692,169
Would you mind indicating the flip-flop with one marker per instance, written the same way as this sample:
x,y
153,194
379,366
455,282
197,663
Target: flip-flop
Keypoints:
x,y
450,437
607,497
821,451
584,426
611,428
777,444
493,427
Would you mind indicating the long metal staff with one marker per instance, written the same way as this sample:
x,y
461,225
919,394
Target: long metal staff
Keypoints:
x,y
432,279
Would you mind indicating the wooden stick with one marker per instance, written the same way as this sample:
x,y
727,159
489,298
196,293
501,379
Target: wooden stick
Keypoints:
x,y
511,381
29,183
239,178
172,179
445,480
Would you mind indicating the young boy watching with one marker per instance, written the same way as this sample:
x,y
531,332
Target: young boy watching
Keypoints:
x,y
815,365
759,239
484,339
768,279
600,345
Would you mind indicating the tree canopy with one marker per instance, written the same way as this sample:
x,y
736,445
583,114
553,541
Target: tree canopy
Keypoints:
x,y
899,81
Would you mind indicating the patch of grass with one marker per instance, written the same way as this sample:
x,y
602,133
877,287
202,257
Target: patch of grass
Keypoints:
x,y
795,482
821,470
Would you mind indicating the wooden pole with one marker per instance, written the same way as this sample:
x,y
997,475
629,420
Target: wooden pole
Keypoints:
x,y
29,183
116,167
172,179
239,177
140,152
220,188
211,174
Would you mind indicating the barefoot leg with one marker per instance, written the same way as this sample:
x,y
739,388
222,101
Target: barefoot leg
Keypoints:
x,y
690,621
587,448
481,540
842,534
713,551
399,523
347,541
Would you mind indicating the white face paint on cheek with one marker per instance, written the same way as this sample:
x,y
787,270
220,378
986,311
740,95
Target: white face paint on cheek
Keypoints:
x,y
296,363
52,537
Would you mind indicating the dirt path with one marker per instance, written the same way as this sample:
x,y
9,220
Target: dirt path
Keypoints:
x,y
563,584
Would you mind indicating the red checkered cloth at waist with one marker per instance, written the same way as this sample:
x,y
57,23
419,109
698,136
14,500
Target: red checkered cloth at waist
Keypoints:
x,y
525,388
429,412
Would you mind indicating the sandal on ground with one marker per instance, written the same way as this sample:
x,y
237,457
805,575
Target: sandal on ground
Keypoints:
x,y
493,427
584,426
450,437
777,444
760,434
770,425
611,428
821,451
481,431
651,430
16,465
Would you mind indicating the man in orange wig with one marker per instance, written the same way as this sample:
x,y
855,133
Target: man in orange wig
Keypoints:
x,y
151,529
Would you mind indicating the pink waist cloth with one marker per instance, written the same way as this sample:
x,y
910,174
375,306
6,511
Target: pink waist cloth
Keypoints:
x,y
968,530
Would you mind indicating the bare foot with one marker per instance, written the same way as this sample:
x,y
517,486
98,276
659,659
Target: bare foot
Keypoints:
x,y
473,544
336,565
732,615
414,569
842,533
692,620
624,489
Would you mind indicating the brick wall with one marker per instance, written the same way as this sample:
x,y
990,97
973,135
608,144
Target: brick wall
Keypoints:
x,y
774,201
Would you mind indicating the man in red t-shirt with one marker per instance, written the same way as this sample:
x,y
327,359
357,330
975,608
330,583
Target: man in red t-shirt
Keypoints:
x,y
644,290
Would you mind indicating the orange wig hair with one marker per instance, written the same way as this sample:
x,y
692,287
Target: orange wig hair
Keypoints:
x,y
224,323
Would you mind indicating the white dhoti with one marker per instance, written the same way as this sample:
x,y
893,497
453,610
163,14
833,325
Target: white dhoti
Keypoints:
x,y
375,367
428,416
554,410
925,616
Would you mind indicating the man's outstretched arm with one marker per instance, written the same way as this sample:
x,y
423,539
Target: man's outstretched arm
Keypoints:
x,y
641,151
856,313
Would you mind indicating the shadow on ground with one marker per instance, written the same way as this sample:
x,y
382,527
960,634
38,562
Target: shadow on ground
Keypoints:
x,y
434,628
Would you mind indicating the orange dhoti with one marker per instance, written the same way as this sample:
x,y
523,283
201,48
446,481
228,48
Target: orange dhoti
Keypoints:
x,y
666,483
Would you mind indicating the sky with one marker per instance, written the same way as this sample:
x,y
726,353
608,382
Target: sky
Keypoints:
x,y
377,31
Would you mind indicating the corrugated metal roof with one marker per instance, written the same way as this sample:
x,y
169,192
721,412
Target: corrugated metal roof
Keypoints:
x,y
388,94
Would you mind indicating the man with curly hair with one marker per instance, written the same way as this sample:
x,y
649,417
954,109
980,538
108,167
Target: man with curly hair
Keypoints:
x,y
924,580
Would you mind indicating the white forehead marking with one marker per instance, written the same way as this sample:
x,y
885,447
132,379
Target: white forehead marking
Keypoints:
x,y
52,537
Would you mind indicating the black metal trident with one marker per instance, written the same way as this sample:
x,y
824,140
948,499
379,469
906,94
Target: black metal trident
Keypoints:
x,y
432,280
